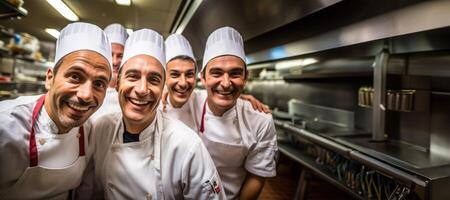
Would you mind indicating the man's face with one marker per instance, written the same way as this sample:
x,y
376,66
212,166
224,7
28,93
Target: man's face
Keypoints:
x,y
78,88
117,54
180,80
224,80
140,87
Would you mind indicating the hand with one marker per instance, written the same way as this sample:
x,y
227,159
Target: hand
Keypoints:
x,y
256,104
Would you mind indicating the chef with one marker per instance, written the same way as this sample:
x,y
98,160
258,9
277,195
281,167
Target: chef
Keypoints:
x,y
117,35
181,80
241,141
141,154
44,142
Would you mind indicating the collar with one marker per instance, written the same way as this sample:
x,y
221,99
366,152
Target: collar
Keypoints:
x,y
147,132
45,123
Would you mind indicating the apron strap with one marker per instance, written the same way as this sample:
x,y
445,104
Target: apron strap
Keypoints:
x,y
202,124
32,143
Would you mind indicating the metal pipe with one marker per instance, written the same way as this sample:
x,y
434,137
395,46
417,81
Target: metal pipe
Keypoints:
x,y
379,97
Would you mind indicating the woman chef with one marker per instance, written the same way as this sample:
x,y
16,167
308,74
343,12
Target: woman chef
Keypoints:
x,y
139,153
44,143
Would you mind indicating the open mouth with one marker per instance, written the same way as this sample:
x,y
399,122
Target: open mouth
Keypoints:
x,y
181,91
77,107
138,102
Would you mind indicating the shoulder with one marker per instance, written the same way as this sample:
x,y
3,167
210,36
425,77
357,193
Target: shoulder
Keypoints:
x,y
178,135
103,127
249,112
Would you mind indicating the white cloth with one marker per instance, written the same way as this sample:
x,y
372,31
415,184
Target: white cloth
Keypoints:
x,y
223,41
145,42
178,45
185,114
83,36
110,105
59,166
241,140
174,165
7,104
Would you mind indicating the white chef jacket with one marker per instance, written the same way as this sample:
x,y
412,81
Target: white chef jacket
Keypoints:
x,y
185,114
241,140
56,152
6,104
110,104
179,167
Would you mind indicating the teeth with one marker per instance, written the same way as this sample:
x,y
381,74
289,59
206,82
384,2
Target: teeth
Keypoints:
x,y
77,107
224,93
139,102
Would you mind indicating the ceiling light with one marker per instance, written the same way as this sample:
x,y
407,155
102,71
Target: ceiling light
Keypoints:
x,y
53,32
62,8
129,31
123,2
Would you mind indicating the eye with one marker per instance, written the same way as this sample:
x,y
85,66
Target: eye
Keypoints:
x,y
215,73
236,74
100,84
174,74
132,77
74,77
190,74
154,80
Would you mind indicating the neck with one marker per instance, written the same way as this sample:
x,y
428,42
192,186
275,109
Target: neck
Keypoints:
x,y
174,104
136,127
218,110
47,106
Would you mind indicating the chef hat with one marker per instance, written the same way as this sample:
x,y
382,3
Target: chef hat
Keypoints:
x,y
82,36
223,41
147,42
116,33
178,45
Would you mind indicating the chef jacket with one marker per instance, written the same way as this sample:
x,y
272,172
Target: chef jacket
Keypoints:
x,y
185,114
35,169
241,140
168,162
110,104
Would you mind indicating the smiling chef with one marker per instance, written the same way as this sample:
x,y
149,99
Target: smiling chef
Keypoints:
x,y
141,154
44,142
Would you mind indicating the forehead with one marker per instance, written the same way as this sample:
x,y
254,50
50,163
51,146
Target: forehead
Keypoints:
x,y
225,63
86,57
117,48
180,64
143,63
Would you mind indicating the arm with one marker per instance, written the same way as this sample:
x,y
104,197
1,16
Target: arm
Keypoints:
x,y
252,187
202,180
257,105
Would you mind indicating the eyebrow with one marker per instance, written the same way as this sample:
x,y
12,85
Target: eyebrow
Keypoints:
x,y
78,68
129,71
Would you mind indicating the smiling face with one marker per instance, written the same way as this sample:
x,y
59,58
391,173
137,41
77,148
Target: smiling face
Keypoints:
x,y
140,86
117,55
224,79
77,89
180,80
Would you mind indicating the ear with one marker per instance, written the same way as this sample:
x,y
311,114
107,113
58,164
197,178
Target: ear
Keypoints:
x,y
49,79
202,78
246,76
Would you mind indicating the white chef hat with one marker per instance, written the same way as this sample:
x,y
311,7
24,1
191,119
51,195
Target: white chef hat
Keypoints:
x,y
178,45
116,33
82,36
147,42
223,41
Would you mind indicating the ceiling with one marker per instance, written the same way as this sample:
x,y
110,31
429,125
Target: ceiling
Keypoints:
x,y
155,14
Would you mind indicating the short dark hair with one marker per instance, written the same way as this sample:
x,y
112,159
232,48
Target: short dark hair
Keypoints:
x,y
57,65
245,70
185,58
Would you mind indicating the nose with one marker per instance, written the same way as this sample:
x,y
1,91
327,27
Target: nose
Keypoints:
x,y
226,82
141,87
182,81
85,92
